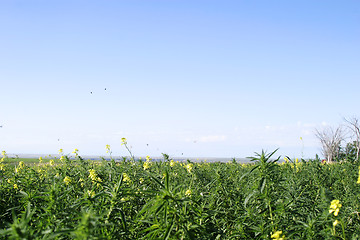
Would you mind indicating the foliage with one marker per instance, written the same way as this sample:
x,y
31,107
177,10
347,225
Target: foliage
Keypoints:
x,y
83,199
349,152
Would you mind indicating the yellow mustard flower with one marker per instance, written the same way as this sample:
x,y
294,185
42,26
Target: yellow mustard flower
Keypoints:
x,y
91,193
21,164
278,235
67,180
2,159
172,163
40,159
146,165
189,167
141,180
81,182
123,141
60,151
75,151
126,178
107,147
51,162
336,222
2,167
16,186
335,207
188,193
358,181
94,177
3,153
92,174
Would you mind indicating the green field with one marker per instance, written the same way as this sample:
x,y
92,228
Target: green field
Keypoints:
x,y
80,199
25,160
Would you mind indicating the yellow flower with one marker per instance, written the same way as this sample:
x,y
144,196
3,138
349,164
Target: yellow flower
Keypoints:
x,y
107,147
21,164
126,178
9,180
40,159
286,159
335,207
189,167
358,181
172,163
75,151
2,159
278,235
60,151
67,180
16,186
188,193
91,193
336,222
3,153
146,165
141,180
123,141
57,175
2,166
93,176
81,182
51,162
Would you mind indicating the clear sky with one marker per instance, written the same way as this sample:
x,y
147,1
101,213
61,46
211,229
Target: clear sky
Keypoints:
x,y
201,78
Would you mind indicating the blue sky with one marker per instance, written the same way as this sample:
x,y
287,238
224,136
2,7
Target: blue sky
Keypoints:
x,y
198,78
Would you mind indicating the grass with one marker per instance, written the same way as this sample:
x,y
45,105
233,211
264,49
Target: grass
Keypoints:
x,y
29,160
25,160
80,199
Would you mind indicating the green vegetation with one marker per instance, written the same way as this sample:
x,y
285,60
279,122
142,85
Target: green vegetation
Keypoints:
x,y
27,160
81,199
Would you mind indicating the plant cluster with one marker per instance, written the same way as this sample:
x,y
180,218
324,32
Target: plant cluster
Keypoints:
x,y
135,199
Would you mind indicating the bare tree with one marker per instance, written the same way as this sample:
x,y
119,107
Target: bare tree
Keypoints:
x,y
354,125
330,140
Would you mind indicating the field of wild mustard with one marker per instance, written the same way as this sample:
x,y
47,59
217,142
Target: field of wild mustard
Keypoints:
x,y
82,199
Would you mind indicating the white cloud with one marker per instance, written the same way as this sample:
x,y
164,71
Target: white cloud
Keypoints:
x,y
324,124
212,138
306,132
